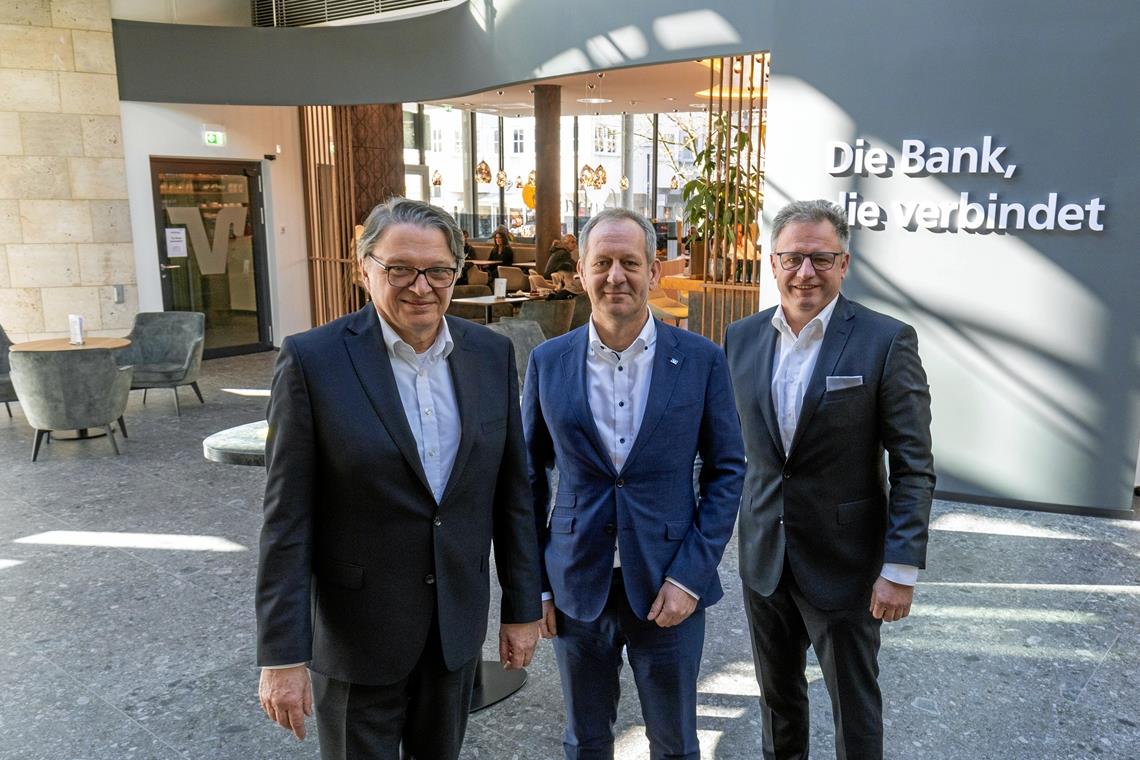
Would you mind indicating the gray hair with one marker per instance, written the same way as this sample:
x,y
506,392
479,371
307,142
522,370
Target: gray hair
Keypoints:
x,y
799,212
416,213
616,215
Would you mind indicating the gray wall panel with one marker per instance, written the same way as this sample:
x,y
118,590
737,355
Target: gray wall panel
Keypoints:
x,y
1031,336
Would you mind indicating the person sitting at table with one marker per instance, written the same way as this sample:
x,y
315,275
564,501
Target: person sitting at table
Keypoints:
x,y
560,259
468,254
501,252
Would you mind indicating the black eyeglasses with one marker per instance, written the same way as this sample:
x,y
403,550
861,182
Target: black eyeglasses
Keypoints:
x,y
400,276
820,261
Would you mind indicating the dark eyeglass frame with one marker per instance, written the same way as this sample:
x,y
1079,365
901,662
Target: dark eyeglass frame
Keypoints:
x,y
821,261
427,278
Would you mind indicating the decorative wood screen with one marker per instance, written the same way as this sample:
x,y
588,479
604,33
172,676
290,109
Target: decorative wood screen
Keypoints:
x,y
330,209
734,175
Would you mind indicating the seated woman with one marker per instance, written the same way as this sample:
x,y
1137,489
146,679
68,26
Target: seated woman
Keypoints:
x,y
560,259
501,252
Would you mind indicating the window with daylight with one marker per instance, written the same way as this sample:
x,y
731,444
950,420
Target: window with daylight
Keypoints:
x,y
605,139
518,144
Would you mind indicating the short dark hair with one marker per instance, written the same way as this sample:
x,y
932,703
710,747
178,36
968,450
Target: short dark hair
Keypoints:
x,y
798,212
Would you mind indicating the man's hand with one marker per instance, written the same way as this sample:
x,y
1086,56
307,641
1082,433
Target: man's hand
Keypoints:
x,y
547,627
890,601
671,606
287,697
516,644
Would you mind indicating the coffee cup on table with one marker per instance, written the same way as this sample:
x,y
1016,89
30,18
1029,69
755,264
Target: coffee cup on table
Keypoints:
x,y
500,287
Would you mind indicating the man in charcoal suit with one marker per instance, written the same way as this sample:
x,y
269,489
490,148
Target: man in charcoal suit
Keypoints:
x,y
830,544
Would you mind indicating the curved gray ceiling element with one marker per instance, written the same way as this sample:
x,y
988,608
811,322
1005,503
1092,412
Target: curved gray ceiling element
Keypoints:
x,y
461,50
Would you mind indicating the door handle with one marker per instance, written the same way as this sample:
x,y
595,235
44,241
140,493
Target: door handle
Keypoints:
x,y
169,266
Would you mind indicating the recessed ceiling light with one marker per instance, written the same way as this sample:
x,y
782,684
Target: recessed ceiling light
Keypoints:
x,y
595,100
670,99
698,105
498,92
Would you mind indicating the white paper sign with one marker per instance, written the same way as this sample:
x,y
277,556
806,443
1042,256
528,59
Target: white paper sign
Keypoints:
x,y
75,329
176,243
500,287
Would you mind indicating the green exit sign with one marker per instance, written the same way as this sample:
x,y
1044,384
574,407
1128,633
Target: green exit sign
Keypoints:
x,y
213,135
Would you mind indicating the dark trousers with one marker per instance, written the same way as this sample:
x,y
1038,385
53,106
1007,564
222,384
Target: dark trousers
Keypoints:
x,y
665,663
423,716
846,643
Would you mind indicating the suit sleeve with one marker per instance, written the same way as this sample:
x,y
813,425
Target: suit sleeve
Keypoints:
x,y
540,460
284,571
721,448
516,544
904,398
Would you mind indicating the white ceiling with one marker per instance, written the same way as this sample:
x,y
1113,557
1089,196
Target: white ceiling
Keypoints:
x,y
645,89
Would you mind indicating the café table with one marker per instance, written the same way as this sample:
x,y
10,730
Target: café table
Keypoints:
x,y
64,344
490,301
245,445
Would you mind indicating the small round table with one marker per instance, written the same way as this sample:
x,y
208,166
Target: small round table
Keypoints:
x,y
64,344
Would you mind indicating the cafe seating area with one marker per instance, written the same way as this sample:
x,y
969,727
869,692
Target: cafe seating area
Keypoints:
x,y
128,627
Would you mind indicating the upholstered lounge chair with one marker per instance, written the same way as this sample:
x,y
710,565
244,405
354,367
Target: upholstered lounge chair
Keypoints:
x,y
525,336
71,390
7,392
166,351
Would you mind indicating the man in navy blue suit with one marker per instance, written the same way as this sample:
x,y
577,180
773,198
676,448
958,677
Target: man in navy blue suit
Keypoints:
x,y
622,406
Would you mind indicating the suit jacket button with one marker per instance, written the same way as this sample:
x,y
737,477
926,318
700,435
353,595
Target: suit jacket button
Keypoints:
x,y
621,482
787,475
437,521
609,528
429,579
780,519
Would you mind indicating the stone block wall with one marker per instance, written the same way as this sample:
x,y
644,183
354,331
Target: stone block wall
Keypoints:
x,y
65,233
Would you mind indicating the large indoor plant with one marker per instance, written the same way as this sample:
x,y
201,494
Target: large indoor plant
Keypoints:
x,y
725,196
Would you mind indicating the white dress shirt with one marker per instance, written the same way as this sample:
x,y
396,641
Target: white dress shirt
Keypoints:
x,y
617,386
792,368
428,397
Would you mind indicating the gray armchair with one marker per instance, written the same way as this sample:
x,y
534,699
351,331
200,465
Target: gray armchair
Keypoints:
x,y
166,351
71,390
7,392
552,316
525,336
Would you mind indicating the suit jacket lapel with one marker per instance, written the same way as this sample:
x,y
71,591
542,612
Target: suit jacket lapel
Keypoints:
x,y
365,344
464,363
834,340
574,369
766,351
667,361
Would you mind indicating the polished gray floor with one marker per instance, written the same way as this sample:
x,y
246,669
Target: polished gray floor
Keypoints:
x,y
126,620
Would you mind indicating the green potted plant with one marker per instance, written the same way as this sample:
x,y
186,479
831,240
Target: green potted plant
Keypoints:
x,y
725,196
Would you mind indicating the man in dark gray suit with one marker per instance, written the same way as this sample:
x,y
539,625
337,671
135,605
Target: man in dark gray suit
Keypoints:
x,y
395,456
830,544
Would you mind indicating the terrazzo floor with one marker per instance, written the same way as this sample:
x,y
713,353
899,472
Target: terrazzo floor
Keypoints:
x,y
126,618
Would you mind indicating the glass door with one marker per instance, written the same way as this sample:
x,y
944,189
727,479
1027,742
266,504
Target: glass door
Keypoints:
x,y
211,249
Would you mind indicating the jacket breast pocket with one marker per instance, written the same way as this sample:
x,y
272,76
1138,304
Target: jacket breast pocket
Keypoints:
x,y
844,394
343,574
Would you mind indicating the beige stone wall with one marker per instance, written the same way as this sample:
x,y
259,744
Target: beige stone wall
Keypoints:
x,y
65,233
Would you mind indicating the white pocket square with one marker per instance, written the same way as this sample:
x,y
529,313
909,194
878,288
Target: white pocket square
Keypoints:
x,y
839,382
